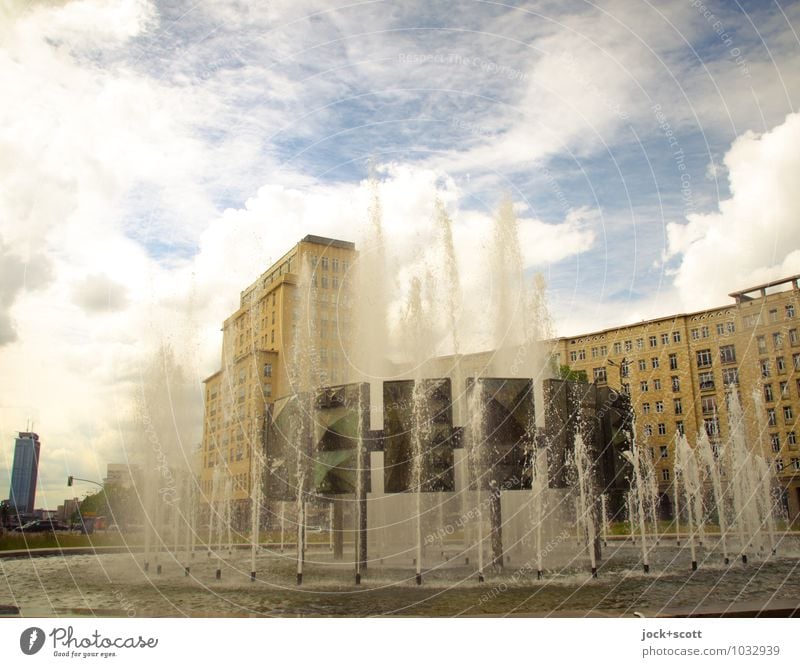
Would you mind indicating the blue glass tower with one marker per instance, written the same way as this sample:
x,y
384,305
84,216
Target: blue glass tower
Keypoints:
x,y
24,472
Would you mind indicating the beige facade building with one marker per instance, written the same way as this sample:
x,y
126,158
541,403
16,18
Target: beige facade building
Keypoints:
x,y
678,369
257,349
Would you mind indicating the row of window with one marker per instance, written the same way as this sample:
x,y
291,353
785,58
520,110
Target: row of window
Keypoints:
x,y
324,263
755,319
778,340
780,466
727,352
775,441
769,395
727,355
723,329
788,415
324,282
628,345
780,365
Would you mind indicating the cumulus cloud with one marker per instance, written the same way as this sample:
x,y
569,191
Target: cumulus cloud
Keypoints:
x,y
754,236
98,293
16,275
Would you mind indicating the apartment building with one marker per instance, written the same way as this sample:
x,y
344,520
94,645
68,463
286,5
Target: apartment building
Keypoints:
x,y
678,369
257,352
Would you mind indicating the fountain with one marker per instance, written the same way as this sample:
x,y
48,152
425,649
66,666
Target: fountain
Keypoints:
x,y
430,466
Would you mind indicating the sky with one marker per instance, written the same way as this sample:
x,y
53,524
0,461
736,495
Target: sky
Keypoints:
x,y
155,157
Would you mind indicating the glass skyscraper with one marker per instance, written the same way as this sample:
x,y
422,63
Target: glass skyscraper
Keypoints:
x,y
24,473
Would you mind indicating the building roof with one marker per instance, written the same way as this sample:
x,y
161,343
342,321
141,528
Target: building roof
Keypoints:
x,y
760,288
324,240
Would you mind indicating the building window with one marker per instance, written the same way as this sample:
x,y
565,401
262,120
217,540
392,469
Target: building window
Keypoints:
x,y
703,358
787,414
659,406
653,341
663,451
775,442
789,311
712,426
709,405
706,380
676,336
762,345
678,406
777,340
676,383
600,375
657,384
771,420
643,385
780,364
645,408
727,354
654,362
665,475
662,429
768,393
617,348
642,365
730,376
764,364
680,428
791,440
665,339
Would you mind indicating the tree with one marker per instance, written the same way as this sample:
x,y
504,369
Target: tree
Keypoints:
x,y
566,373
115,502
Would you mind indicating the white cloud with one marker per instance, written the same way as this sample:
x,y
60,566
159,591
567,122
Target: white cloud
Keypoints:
x,y
755,235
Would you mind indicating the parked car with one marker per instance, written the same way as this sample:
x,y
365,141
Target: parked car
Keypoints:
x,y
41,526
